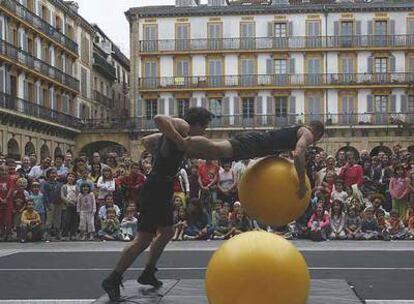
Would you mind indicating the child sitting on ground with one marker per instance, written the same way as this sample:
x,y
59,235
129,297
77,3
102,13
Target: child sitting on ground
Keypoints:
x,y
337,221
395,226
38,200
110,230
353,224
223,229
369,225
241,223
109,203
410,224
180,223
31,225
382,225
319,224
129,225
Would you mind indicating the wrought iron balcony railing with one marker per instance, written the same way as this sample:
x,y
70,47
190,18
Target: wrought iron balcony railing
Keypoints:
x,y
38,23
33,63
282,80
102,99
32,109
105,67
266,121
284,43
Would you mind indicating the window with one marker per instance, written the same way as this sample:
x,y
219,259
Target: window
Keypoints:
x,y
380,31
150,74
182,35
150,37
183,67
281,103
247,72
347,110
215,35
314,107
84,82
247,34
151,108
381,65
347,69
380,109
182,107
215,72
248,107
66,104
280,30
347,31
280,66
410,109
216,2
215,107
314,70
85,55
313,31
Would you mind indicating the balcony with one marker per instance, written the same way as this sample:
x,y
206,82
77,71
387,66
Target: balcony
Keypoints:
x,y
104,67
32,63
275,81
31,109
102,99
34,20
277,43
268,121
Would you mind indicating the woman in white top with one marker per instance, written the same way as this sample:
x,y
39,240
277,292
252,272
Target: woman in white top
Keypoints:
x,y
227,184
105,184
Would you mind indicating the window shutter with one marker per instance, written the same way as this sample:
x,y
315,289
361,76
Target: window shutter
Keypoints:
x,y
292,105
236,106
172,107
193,102
370,27
292,66
41,100
393,104
370,64
226,106
270,29
370,104
270,105
336,28
2,80
403,104
392,64
358,30
269,70
290,28
204,103
161,105
259,105
138,107
392,27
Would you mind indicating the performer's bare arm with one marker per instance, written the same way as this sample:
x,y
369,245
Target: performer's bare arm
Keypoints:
x,y
205,148
175,129
305,139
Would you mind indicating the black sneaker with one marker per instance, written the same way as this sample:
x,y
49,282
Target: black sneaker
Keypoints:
x,y
111,287
148,278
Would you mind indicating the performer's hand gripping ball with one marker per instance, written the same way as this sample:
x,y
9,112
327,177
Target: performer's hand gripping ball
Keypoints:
x,y
268,192
257,267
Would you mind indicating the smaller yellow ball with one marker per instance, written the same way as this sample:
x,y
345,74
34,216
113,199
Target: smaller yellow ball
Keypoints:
x,y
257,267
268,192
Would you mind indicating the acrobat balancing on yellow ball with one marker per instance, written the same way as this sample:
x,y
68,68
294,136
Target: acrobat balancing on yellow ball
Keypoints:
x,y
254,267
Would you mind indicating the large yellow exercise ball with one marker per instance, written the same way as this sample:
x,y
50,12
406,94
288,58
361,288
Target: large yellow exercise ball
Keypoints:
x,y
257,267
268,192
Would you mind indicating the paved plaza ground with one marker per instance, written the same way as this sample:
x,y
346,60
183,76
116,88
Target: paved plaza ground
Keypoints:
x,y
71,272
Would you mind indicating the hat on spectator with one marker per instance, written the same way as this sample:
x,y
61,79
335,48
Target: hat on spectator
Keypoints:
x,y
237,204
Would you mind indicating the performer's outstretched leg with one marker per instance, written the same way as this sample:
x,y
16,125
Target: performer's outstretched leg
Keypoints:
x,y
164,235
112,283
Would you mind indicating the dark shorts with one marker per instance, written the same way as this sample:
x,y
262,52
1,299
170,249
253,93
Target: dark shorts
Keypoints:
x,y
255,144
155,204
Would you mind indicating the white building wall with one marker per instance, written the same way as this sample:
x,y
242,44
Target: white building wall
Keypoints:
x,y
166,66
363,62
199,65
231,65
300,101
332,66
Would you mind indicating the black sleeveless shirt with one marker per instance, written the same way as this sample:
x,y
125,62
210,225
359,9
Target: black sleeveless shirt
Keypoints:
x,y
169,164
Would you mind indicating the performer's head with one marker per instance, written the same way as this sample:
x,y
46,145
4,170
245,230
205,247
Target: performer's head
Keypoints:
x,y
317,128
198,118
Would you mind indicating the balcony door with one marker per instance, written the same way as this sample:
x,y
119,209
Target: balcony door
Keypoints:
x,y
182,36
313,33
380,69
280,67
247,35
346,116
411,32
314,108
150,74
347,32
248,111
215,35
348,69
380,32
215,72
150,38
183,72
280,35
281,111
247,76
381,107
314,71
410,109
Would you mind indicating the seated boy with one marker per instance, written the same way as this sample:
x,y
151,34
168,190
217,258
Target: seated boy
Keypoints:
x,y
31,225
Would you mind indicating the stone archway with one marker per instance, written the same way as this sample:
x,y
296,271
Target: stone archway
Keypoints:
x,y
378,149
103,147
347,149
29,148
44,151
58,151
13,150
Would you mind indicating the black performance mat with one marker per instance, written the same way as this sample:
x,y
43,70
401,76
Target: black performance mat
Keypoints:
x,y
192,292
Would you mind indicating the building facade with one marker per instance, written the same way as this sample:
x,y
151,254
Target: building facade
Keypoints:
x,y
47,68
350,65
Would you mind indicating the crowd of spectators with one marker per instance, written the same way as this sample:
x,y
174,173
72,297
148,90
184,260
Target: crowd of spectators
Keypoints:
x,y
354,196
